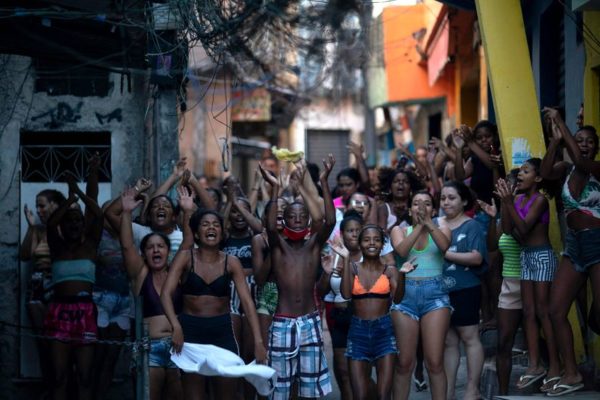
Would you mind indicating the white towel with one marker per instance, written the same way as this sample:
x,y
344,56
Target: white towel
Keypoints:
x,y
209,360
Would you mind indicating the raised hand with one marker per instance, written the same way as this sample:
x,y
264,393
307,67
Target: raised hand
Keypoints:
x,y
128,200
466,133
504,191
496,159
186,199
29,216
179,167
94,162
327,167
73,188
458,139
489,209
356,149
185,178
409,266
143,184
270,179
340,249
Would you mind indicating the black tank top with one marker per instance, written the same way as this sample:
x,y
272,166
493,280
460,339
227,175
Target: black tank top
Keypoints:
x,y
196,286
241,248
151,305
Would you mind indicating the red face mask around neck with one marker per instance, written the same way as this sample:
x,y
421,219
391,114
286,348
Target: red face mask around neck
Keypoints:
x,y
295,235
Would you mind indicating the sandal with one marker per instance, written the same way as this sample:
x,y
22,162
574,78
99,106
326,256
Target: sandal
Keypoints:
x,y
420,385
529,379
548,385
564,388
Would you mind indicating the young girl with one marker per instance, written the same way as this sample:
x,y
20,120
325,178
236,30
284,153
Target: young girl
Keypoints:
x,y
464,260
510,307
337,308
371,338
527,219
425,307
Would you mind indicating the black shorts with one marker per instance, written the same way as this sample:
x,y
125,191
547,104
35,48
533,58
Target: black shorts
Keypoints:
x,y
466,304
217,331
339,332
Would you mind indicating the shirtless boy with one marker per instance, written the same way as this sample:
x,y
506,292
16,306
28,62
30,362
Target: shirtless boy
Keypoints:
x,y
295,338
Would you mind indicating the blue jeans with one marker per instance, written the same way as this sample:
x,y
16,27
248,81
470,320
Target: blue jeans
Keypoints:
x,y
371,339
422,296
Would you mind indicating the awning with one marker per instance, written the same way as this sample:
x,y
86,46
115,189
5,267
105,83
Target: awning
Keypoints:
x,y
437,57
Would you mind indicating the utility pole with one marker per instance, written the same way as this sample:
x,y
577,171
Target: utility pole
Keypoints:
x,y
369,136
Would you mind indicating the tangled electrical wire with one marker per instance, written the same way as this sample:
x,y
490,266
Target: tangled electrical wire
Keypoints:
x,y
293,45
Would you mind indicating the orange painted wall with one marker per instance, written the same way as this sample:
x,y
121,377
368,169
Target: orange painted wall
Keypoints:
x,y
406,78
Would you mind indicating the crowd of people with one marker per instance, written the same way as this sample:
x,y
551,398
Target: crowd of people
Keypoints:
x,y
404,262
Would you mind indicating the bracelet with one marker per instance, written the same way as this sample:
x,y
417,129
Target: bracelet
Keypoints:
x,y
137,189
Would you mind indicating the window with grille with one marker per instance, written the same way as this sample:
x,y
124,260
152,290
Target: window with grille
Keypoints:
x,y
48,156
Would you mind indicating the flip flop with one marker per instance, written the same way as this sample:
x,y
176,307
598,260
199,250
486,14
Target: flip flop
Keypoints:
x,y
420,385
544,388
564,388
529,379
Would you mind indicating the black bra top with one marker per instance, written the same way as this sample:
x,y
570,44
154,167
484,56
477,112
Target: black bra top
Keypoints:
x,y
151,305
196,286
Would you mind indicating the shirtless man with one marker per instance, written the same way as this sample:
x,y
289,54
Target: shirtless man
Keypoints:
x,y
295,337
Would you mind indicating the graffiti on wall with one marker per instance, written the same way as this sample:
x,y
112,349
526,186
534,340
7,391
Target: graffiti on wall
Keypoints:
x,y
60,115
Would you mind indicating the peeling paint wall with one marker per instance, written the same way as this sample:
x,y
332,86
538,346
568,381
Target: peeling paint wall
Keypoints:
x,y
122,113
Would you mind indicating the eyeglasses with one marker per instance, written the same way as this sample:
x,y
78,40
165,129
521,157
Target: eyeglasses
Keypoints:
x,y
359,203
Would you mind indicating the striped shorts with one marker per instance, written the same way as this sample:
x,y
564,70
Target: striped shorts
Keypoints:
x,y
296,353
538,264
235,304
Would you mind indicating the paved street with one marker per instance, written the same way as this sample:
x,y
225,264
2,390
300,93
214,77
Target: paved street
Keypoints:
x,y
488,379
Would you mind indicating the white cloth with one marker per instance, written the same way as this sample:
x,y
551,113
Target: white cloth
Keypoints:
x,y
209,360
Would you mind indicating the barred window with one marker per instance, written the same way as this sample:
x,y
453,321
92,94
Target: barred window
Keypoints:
x,y
46,156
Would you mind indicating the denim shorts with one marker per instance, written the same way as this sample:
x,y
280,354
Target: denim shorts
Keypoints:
x,y
422,296
583,248
371,339
160,353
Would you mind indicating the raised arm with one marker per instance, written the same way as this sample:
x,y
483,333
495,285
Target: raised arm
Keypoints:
x,y
205,198
53,236
271,210
361,165
94,218
260,264
186,202
347,273
440,235
493,235
522,226
311,198
324,233
113,211
134,263
462,170
586,165
31,239
178,171
469,138
403,244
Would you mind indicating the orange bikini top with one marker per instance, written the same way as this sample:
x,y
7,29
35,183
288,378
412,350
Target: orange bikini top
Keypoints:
x,y
380,290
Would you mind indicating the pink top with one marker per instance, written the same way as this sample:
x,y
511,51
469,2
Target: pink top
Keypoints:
x,y
523,211
338,202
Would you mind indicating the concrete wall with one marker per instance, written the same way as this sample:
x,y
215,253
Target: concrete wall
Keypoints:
x,y
131,158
